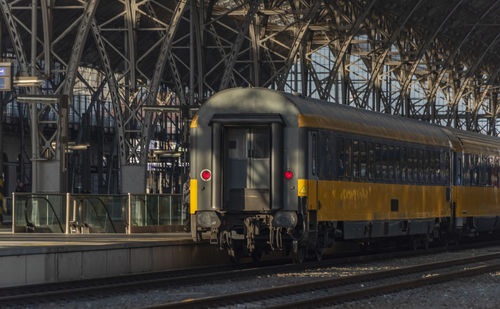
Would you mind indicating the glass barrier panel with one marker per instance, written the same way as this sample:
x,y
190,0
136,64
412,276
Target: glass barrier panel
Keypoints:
x,y
98,213
39,213
156,213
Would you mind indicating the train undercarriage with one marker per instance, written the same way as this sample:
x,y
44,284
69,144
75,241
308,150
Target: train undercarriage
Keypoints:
x,y
252,235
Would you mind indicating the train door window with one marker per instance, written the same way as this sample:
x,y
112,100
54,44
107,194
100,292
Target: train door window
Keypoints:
x,y
326,156
371,161
340,156
404,165
466,170
313,148
355,159
458,169
378,161
363,160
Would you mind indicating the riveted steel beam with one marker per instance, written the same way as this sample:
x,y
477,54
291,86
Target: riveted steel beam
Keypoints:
x,y
78,45
158,73
311,14
14,36
113,89
235,49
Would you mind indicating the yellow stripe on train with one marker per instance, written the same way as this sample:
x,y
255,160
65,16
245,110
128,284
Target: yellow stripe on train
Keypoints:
x,y
193,196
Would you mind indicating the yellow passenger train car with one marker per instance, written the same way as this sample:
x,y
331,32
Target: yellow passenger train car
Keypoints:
x,y
276,171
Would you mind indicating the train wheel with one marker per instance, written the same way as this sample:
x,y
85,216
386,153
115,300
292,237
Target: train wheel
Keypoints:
x,y
299,256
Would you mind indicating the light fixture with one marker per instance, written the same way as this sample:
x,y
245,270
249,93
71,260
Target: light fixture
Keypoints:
x,y
38,99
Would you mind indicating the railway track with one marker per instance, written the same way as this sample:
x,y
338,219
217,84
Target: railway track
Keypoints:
x,y
104,287
338,290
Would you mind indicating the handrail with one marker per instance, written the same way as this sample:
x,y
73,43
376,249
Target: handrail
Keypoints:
x,y
48,202
105,209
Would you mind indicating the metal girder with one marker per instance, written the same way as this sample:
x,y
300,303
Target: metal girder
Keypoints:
x,y
456,50
78,45
311,13
113,89
346,44
130,9
14,37
421,51
233,55
46,8
472,71
387,47
165,50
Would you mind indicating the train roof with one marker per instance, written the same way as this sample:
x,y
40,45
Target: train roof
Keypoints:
x,y
307,112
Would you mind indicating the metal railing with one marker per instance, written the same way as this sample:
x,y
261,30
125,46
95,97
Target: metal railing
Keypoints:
x,y
86,213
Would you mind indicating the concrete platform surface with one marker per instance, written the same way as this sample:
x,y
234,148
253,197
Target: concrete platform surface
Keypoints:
x,y
13,244
42,258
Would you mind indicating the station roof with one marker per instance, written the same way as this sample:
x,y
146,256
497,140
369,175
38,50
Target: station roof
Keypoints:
x,y
471,26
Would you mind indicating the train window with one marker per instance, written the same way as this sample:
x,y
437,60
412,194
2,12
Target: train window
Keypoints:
x,y
484,170
260,143
325,156
371,161
474,171
496,172
363,160
355,159
237,140
437,172
348,157
340,155
378,162
458,170
397,164
420,165
385,162
409,172
390,162
314,152
426,167
491,165
446,169
466,170
404,164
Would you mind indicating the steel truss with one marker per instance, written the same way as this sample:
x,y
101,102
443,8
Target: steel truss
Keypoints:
x,y
428,60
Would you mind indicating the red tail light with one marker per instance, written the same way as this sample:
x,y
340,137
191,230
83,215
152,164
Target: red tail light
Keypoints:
x,y
288,174
206,175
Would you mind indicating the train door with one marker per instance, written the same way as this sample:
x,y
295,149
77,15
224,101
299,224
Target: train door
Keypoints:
x,y
247,168
313,170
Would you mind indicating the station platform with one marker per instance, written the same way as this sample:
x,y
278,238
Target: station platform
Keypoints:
x,y
43,258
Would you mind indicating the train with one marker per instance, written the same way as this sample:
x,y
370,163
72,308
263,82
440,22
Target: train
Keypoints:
x,y
273,171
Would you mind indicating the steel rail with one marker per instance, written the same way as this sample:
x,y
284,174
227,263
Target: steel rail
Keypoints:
x,y
389,288
291,289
